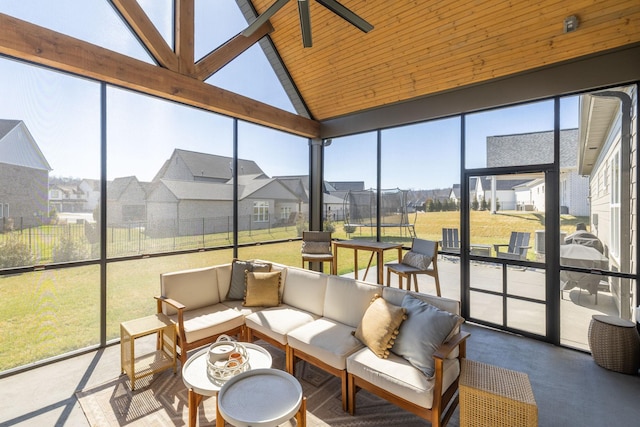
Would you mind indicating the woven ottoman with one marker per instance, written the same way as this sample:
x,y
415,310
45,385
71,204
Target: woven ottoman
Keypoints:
x,y
496,397
614,344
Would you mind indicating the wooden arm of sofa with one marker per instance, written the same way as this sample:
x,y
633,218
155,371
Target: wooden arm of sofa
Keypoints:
x,y
179,308
458,340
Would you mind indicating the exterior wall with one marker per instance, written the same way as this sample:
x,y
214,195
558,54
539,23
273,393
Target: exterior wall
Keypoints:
x,y
204,217
132,199
26,196
576,193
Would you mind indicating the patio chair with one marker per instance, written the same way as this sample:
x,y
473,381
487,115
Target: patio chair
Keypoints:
x,y
316,247
450,241
516,248
421,259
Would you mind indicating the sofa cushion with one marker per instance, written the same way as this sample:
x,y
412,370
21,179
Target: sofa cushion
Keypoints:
x,y
238,283
304,289
380,326
326,340
209,321
416,260
193,288
346,300
316,248
277,322
263,289
399,377
422,333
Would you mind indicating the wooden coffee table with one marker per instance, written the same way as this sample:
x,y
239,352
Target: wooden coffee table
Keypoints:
x,y
194,376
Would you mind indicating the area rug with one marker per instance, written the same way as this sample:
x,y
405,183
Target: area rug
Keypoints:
x,y
161,400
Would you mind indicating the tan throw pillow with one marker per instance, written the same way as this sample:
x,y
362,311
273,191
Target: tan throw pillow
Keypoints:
x,y
237,287
263,289
380,325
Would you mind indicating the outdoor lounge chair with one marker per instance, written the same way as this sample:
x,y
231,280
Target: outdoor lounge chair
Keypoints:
x,y
316,247
421,259
450,241
517,247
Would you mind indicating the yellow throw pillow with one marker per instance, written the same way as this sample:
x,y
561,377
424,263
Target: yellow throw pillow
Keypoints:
x,y
380,325
263,289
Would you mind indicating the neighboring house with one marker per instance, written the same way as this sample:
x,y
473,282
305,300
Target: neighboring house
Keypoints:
x,y
191,183
126,201
186,165
607,155
537,148
66,198
91,190
505,191
24,172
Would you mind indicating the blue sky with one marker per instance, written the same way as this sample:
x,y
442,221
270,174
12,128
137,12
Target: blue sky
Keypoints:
x,y
61,111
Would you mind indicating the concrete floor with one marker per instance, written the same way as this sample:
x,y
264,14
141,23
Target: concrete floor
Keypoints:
x,y
569,388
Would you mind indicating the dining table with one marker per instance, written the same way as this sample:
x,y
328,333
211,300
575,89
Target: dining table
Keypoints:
x,y
376,248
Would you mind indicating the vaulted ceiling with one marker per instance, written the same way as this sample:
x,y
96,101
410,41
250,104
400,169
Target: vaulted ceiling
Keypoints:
x,y
418,49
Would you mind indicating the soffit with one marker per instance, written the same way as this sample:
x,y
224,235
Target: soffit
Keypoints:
x,y
420,48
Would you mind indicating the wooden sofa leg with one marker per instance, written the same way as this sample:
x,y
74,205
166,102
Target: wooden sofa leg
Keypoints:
x,y
289,360
345,393
351,394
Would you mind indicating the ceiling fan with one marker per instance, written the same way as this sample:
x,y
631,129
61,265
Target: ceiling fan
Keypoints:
x,y
305,18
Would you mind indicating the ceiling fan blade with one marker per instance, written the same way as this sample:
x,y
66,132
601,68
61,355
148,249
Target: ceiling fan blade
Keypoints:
x,y
305,22
266,15
346,14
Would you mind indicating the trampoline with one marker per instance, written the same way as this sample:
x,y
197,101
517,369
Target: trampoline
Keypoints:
x,y
361,208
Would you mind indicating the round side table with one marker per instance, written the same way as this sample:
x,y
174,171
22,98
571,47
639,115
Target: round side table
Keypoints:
x,y
615,344
262,398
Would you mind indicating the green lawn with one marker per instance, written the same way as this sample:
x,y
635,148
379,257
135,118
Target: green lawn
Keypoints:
x,y
50,312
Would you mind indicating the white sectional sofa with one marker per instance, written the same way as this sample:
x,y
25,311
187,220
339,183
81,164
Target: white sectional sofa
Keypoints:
x,y
315,320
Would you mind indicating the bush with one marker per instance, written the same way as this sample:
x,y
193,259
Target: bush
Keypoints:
x,y
69,250
14,253
349,229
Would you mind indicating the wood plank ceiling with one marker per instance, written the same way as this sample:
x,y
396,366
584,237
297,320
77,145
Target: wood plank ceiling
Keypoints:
x,y
423,47
417,48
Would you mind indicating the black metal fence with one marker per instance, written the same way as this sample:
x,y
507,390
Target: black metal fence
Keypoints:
x,y
78,241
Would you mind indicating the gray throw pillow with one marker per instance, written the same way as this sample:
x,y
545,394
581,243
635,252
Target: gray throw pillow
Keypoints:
x,y
416,260
422,333
238,283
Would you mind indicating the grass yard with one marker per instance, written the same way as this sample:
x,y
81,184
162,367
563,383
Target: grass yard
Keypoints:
x,y
50,312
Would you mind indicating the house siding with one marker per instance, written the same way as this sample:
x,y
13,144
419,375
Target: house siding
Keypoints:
x,y
27,196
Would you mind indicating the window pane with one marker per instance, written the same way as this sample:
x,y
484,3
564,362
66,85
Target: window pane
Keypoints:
x,y
273,185
512,136
93,21
57,311
133,284
423,161
350,173
181,195
48,121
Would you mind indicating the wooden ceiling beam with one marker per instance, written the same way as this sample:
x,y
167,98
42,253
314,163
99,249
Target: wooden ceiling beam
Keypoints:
x,y
140,23
225,53
29,42
184,35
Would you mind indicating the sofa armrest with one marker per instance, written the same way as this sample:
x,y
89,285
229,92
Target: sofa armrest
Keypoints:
x,y
179,308
459,340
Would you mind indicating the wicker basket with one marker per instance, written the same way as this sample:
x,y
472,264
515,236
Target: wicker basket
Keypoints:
x,y
615,344
496,397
